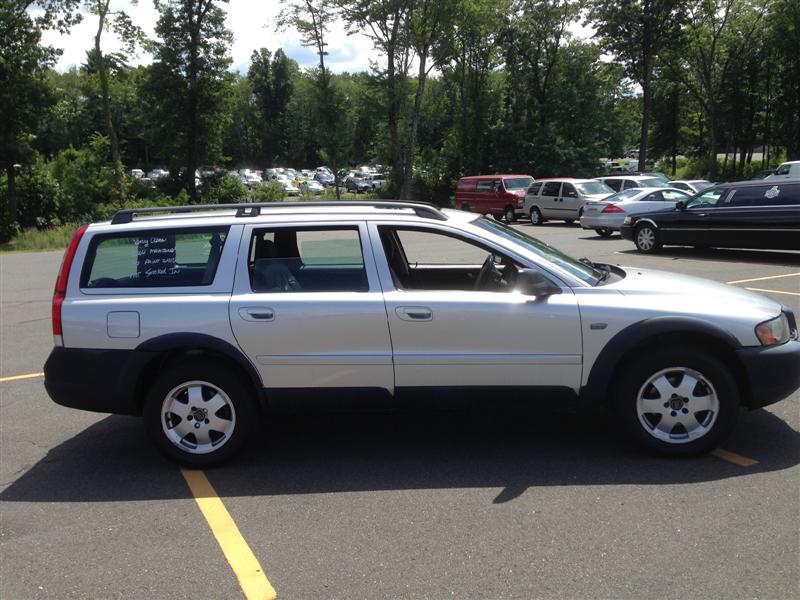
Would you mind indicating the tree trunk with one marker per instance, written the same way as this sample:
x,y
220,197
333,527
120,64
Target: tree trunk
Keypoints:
x,y
411,127
11,190
647,105
102,71
713,128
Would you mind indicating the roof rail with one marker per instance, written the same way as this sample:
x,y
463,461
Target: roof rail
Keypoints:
x,y
421,209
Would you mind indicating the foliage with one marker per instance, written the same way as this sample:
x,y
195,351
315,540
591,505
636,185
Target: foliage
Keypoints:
x,y
270,191
33,239
224,189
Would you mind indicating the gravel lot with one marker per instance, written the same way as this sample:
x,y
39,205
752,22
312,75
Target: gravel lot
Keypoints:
x,y
398,506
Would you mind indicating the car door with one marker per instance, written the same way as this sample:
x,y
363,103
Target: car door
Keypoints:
x,y
307,309
549,199
570,204
446,334
693,225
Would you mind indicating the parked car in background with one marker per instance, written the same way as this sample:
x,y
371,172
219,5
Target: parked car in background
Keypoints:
x,y
744,214
562,198
787,170
607,216
311,186
136,174
502,196
290,188
357,185
691,185
324,177
375,180
619,183
763,174
156,174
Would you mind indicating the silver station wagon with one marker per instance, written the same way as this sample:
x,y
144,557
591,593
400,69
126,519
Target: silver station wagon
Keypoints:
x,y
201,319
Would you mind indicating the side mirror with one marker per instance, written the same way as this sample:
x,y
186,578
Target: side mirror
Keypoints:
x,y
680,204
532,283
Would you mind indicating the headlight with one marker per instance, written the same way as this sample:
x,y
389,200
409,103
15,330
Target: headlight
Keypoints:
x,y
628,220
773,332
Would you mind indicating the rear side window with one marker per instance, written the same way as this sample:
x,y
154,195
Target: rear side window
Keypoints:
x,y
290,259
154,258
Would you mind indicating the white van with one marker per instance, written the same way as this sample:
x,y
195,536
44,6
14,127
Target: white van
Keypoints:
x,y
787,170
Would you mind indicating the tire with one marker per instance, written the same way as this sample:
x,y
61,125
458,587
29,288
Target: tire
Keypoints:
x,y
604,232
499,217
536,216
656,394
646,238
200,388
509,215
569,221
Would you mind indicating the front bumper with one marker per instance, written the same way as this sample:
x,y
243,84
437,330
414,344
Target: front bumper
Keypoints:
x,y
626,231
773,372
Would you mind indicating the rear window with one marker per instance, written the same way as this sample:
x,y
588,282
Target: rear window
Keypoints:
x,y
154,258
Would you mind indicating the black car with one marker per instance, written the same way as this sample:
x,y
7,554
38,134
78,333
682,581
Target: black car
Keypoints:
x,y
744,214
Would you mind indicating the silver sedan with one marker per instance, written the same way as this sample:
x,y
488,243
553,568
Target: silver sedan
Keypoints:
x,y
607,216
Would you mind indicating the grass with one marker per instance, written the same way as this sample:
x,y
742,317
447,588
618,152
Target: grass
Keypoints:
x,y
33,240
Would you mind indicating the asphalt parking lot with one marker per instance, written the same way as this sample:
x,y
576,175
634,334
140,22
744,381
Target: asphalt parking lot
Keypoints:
x,y
395,506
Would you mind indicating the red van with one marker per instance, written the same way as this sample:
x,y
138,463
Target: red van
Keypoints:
x,y
502,196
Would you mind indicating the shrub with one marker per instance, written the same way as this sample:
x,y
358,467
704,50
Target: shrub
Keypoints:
x,y
271,191
223,189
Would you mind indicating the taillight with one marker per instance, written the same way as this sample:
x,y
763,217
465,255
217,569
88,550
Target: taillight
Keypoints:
x,y
61,284
612,208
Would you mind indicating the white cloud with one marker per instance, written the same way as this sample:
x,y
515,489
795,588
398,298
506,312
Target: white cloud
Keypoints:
x,y
252,22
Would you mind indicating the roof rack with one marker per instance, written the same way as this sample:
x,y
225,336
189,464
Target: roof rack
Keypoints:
x,y
421,209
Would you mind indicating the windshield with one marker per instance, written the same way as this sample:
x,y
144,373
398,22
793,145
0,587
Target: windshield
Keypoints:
x,y
518,183
571,265
593,188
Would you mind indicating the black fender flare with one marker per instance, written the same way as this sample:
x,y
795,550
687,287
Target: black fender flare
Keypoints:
x,y
599,380
200,341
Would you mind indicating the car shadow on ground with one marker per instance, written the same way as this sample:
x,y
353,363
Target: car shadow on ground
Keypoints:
x,y
112,461
766,257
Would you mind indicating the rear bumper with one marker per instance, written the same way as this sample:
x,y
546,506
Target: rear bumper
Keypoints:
x,y
598,221
95,380
773,373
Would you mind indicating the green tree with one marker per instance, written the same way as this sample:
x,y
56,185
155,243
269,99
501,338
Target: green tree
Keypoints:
x,y
189,88
635,32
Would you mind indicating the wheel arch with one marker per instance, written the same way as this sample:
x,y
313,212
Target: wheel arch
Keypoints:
x,y
657,332
174,348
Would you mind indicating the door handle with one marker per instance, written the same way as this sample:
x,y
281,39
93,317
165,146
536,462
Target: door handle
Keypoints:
x,y
414,313
256,313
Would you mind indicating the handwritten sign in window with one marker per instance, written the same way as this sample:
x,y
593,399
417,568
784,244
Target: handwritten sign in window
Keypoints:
x,y
156,256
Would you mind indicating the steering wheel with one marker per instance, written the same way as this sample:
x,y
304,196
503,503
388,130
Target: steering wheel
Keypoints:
x,y
487,270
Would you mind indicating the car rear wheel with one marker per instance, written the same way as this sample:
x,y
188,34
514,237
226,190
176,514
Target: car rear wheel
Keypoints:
x,y
646,239
198,414
604,232
677,401
536,216
510,215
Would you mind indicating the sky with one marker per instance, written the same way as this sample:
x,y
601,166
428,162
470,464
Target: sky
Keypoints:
x,y
252,23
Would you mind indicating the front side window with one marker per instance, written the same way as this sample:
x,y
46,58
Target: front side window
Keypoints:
x,y
289,259
424,259
551,188
155,258
534,189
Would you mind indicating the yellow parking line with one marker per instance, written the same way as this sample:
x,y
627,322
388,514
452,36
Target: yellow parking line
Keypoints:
x,y
765,278
736,459
18,377
248,571
773,291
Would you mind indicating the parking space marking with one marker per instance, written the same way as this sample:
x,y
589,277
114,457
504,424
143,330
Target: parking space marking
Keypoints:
x,y
765,278
736,459
18,377
245,565
773,291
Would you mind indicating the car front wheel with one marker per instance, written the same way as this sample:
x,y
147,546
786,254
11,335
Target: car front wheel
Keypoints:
x,y
510,215
198,414
677,401
647,239
536,216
